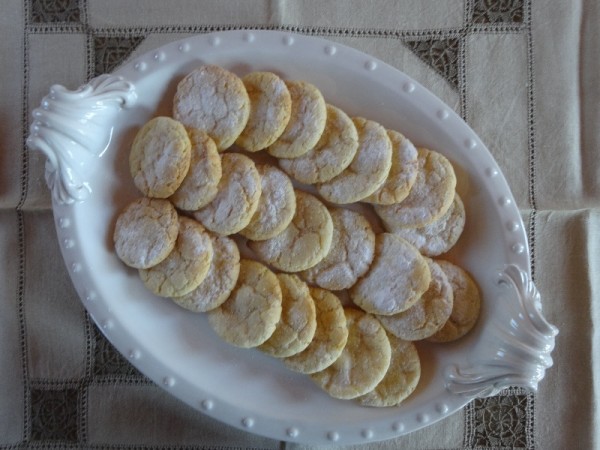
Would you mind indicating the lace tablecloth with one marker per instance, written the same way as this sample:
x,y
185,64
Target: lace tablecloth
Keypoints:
x,y
522,73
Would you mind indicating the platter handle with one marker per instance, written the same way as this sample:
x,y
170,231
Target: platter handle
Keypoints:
x,y
72,128
518,346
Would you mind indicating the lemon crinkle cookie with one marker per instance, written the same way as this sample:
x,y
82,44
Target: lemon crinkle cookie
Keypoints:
x,y
304,242
395,281
364,361
187,264
200,185
306,124
350,255
251,313
296,328
440,235
220,280
237,198
276,206
429,198
403,172
332,154
428,314
466,305
401,378
214,100
367,171
145,232
270,110
160,157
330,336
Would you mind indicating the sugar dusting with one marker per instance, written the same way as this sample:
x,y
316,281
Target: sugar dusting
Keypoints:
x,y
367,171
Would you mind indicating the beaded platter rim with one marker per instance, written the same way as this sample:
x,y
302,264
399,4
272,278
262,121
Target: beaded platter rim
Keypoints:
x,y
511,347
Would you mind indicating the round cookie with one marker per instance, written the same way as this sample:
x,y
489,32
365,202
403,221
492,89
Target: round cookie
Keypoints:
x,y
440,235
213,100
330,335
466,307
200,184
403,172
428,199
367,171
220,280
304,242
400,380
160,157
187,264
145,232
363,362
239,191
350,255
251,313
428,314
306,124
397,278
298,322
332,154
270,110
276,206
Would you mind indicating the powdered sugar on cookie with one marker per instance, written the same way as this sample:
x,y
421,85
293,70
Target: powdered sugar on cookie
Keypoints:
x,y
429,198
397,278
351,254
332,154
213,100
276,207
367,171
306,124
237,199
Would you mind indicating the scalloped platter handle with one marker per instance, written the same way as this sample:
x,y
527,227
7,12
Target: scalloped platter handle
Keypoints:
x,y
72,128
519,344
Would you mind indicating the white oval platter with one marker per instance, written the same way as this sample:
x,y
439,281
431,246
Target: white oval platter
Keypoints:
x,y
86,135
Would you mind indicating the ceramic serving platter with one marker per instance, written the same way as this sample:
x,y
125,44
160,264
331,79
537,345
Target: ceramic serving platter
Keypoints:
x,y
86,135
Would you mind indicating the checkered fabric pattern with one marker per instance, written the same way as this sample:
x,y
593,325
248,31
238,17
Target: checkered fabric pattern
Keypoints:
x,y
65,386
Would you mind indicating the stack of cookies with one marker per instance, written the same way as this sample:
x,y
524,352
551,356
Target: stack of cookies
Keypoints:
x,y
321,290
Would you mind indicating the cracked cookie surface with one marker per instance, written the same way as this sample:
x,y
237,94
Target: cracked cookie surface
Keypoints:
x,y
200,184
363,362
160,157
350,255
466,305
401,378
440,235
298,322
367,171
270,110
428,199
145,232
187,264
397,278
428,314
276,206
331,155
220,280
304,242
403,172
306,124
251,313
213,100
239,191
330,335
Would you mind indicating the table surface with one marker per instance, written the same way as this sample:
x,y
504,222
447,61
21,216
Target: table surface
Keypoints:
x,y
522,73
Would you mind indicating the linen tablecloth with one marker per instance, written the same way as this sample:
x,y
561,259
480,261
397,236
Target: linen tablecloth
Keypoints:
x,y
522,73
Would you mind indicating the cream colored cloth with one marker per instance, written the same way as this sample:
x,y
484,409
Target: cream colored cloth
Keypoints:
x,y
523,73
